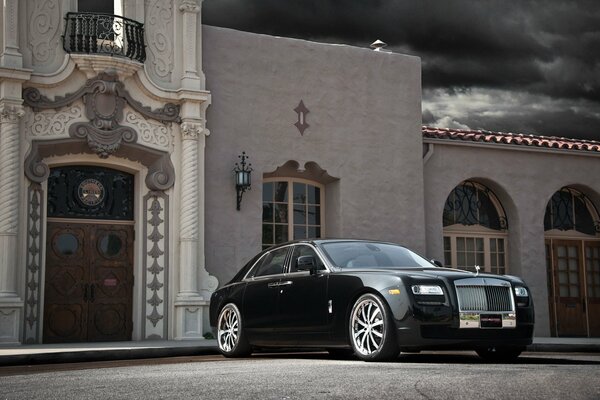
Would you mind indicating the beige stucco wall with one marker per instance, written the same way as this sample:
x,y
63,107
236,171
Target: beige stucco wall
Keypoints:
x,y
524,179
365,116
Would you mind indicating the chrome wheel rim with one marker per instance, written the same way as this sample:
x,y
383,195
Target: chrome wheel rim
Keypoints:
x,y
367,327
228,328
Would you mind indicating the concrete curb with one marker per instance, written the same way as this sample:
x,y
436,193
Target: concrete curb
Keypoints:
x,y
103,355
52,356
564,348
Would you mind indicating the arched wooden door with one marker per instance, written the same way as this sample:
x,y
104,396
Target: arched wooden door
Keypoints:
x,y
88,287
574,289
89,282
572,235
569,290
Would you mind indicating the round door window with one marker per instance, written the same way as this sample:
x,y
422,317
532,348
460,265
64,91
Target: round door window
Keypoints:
x,y
110,245
66,244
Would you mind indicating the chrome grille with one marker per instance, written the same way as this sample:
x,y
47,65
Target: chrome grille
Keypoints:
x,y
484,298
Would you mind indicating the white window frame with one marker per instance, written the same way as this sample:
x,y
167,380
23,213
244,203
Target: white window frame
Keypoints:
x,y
475,232
290,204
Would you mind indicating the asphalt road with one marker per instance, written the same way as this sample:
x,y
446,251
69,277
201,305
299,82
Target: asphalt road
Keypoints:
x,y
311,376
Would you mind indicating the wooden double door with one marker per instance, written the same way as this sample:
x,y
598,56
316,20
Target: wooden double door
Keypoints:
x,y
88,282
574,287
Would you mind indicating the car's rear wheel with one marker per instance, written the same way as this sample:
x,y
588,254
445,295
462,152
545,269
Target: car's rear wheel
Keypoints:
x,y
500,354
372,334
230,333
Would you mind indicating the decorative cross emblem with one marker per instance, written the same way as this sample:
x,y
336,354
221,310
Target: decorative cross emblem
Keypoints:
x,y
301,124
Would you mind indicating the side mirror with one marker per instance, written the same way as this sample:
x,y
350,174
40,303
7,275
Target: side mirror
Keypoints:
x,y
307,263
438,263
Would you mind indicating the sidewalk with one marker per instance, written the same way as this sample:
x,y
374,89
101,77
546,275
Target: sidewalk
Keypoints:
x,y
564,345
105,351
79,352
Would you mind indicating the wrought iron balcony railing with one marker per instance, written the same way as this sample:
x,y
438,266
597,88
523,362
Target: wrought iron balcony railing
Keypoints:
x,y
94,33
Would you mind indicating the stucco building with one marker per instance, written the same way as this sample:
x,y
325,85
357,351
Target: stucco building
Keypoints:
x,y
120,127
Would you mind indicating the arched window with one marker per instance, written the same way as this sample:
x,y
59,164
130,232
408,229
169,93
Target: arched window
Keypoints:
x,y
571,210
473,204
475,229
292,209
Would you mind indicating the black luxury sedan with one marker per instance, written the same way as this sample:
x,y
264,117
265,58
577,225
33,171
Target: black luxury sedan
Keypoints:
x,y
369,298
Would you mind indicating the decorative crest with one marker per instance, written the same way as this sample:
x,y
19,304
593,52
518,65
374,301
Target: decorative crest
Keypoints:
x,y
301,124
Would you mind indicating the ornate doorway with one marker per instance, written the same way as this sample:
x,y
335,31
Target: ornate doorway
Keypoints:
x,y
89,255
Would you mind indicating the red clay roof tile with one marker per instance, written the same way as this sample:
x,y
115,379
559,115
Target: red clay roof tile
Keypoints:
x,y
511,138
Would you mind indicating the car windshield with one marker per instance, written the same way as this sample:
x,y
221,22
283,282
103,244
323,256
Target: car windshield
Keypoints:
x,y
372,255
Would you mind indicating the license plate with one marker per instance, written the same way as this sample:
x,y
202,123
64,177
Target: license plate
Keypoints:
x,y
480,320
490,321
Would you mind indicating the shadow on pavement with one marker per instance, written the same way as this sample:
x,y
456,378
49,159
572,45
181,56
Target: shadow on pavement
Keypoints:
x,y
447,358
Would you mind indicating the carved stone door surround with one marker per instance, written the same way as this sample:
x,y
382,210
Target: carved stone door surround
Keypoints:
x,y
104,98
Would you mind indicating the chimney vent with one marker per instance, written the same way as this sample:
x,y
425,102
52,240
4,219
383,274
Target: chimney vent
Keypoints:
x,y
379,45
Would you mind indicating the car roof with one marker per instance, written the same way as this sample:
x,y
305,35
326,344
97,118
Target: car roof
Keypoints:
x,y
330,240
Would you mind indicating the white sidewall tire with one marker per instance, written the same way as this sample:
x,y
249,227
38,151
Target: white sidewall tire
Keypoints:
x,y
371,330
231,339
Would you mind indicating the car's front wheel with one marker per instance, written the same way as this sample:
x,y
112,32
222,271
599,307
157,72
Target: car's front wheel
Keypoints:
x,y
230,334
372,334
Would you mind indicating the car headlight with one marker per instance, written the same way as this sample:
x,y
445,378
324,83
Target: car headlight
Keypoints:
x,y
427,290
522,296
520,291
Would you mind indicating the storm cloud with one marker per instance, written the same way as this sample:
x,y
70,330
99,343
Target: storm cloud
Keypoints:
x,y
526,66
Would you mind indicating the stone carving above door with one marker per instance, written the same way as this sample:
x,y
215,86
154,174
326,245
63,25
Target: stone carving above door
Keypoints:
x,y
104,98
150,133
53,124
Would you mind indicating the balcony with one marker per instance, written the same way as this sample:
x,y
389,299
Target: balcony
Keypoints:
x,y
92,33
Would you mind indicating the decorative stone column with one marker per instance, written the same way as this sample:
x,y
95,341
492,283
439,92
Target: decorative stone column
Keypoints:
x,y
189,234
10,56
10,302
10,114
191,77
195,284
12,77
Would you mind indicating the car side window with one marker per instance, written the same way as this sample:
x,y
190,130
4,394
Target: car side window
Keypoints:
x,y
302,250
272,263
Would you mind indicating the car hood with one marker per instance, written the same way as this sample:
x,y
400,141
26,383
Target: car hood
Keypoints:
x,y
432,272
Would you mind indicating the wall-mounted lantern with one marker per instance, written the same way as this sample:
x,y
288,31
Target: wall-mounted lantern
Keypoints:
x,y
242,177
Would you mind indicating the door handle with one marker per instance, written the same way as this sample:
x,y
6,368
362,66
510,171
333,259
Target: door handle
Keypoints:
x,y
278,284
85,292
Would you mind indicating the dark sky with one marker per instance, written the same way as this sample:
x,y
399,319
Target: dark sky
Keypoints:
x,y
524,66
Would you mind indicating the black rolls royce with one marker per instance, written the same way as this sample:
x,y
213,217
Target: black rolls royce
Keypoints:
x,y
371,298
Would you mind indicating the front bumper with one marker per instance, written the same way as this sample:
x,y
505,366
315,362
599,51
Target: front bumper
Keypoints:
x,y
446,337
431,328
